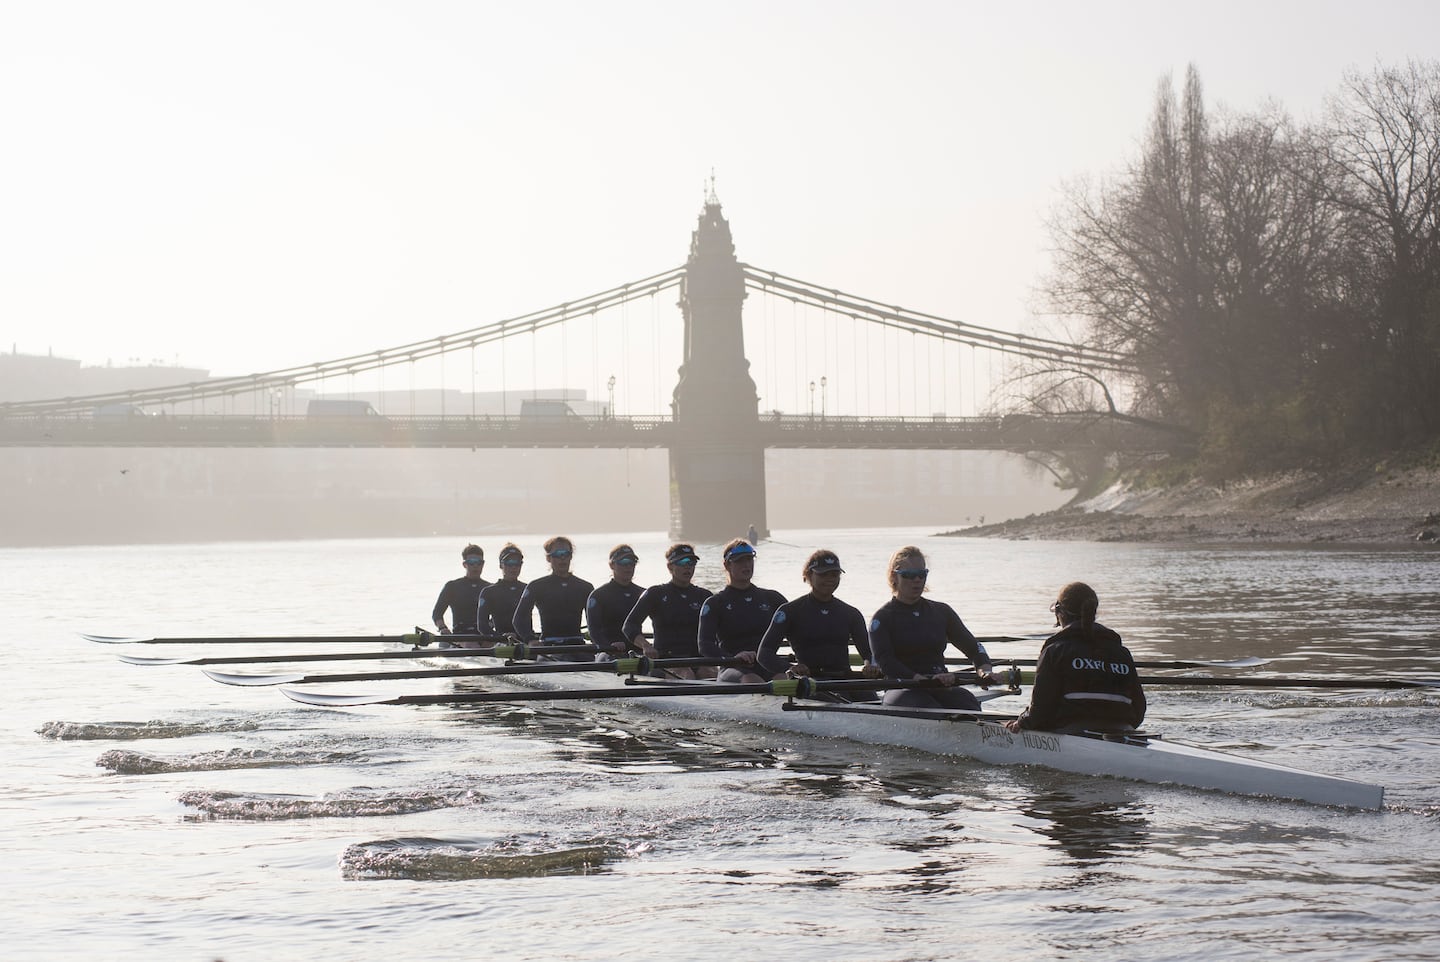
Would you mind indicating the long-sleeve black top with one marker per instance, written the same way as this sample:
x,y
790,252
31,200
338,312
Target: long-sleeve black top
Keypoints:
x,y
734,620
674,614
461,598
820,633
606,610
560,600
909,640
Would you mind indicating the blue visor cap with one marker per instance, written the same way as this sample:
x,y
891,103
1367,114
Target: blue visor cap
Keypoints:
x,y
826,562
740,552
682,554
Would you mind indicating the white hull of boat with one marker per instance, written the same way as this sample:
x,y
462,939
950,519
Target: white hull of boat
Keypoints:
x,y
948,733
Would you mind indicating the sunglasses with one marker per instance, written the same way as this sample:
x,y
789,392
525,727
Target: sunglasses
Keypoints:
x,y
511,562
474,562
913,572
558,553
625,562
684,562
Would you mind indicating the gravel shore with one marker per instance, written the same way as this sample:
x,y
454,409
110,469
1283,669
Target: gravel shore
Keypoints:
x,y
1361,505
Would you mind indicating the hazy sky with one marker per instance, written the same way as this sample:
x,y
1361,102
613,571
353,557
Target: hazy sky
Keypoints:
x,y
241,186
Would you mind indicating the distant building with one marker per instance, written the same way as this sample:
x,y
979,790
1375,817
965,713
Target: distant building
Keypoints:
x,y
40,377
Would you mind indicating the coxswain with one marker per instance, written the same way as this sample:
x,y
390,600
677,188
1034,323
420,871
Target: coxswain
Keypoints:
x,y
734,619
1085,679
909,635
461,597
559,597
610,603
673,609
820,629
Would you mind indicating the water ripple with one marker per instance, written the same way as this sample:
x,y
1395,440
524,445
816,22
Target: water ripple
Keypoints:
x,y
256,807
423,859
117,730
124,762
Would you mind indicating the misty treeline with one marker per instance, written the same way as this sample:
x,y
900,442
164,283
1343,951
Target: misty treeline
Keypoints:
x,y
1274,286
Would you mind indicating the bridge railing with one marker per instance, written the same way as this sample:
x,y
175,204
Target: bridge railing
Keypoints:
x,y
1011,432
303,431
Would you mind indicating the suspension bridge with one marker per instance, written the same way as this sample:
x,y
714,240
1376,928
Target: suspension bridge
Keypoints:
x,y
888,377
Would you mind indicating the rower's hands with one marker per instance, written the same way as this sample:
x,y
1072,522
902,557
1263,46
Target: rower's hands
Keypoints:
x,y
947,680
1013,724
871,671
443,630
985,676
746,657
799,670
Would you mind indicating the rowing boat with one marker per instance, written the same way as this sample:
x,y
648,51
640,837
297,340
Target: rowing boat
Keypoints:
x,y
978,735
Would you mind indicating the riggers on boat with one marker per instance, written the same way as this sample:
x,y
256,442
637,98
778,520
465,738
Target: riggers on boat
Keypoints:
x,y
977,735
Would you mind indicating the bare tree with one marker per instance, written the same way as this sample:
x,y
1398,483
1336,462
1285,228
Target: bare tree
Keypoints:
x,y
1384,139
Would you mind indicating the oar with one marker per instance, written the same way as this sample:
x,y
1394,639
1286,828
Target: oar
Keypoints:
x,y
519,652
1250,682
418,637
1250,662
622,666
787,687
1002,639
929,714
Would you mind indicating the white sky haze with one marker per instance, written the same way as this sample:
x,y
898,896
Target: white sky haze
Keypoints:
x,y
246,186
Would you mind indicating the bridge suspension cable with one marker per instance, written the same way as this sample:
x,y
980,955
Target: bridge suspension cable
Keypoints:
x,y
888,315
360,363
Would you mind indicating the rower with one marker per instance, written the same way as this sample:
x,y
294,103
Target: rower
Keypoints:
x,y
908,637
820,628
1085,679
608,605
461,597
734,619
674,612
559,596
499,601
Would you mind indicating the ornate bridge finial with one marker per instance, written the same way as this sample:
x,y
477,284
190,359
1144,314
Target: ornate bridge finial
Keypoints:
x,y
711,198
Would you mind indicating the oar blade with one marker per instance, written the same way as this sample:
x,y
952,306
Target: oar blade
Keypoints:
x,y
236,678
111,639
141,660
336,700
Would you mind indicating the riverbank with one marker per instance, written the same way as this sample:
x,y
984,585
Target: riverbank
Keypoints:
x,y
1359,504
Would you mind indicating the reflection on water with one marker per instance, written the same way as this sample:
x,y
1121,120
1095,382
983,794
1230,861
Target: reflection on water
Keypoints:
x,y
1088,829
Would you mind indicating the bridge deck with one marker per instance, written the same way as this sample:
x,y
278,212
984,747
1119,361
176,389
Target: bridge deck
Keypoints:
x,y
1008,433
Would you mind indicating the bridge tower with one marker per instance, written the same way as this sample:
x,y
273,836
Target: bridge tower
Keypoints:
x,y
717,460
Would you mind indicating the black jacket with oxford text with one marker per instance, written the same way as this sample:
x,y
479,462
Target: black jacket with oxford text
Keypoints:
x,y
1085,679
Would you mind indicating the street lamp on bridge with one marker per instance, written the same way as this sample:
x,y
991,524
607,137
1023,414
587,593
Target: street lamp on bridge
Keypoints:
x,y
812,400
822,397
610,411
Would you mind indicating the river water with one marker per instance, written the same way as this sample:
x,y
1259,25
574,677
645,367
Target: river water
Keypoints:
x,y
150,813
